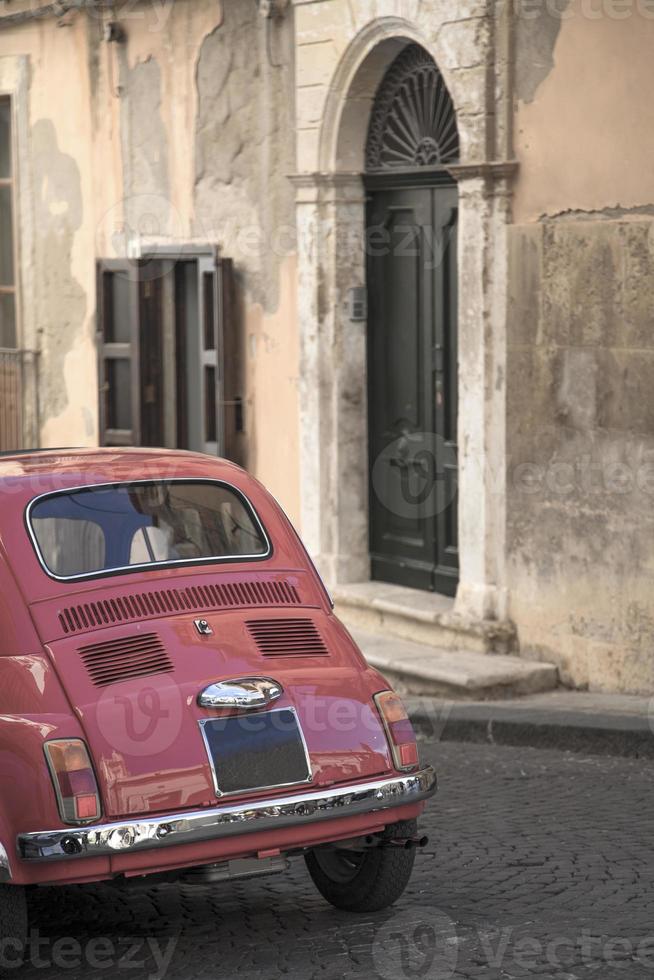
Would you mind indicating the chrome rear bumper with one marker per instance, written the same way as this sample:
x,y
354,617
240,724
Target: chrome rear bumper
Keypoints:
x,y
227,821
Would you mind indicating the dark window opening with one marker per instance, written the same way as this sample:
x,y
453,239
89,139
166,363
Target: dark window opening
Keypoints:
x,y
210,404
209,312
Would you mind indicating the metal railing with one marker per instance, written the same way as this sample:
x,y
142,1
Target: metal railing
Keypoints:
x,y
11,400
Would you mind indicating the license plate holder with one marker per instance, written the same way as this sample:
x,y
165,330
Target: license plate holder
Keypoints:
x,y
251,752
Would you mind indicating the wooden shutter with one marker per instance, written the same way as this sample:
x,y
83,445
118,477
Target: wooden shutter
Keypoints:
x,y
233,383
216,352
209,353
118,353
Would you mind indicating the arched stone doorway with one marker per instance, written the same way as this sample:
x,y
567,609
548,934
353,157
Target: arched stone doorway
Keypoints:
x,y
412,362
331,197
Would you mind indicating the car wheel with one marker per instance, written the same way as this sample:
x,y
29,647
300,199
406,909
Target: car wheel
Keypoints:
x,y
366,880
13,923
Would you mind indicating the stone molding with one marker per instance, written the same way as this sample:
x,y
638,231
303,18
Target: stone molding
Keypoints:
x,y
486,170
322,188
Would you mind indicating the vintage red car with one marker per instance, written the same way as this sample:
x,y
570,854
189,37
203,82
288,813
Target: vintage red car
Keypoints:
x,y
176,691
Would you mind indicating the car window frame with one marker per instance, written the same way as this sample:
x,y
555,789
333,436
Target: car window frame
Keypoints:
x,y
149,566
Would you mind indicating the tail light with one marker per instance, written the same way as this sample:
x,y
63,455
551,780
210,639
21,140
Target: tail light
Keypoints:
x,y
74,780
399,730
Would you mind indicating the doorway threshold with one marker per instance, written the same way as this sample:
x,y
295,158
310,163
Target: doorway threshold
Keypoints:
x,y
422,617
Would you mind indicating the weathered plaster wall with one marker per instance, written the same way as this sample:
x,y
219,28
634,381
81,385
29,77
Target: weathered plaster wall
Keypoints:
x,y
243,200
55,237
584,126
244,145
181,134
271,407
581,348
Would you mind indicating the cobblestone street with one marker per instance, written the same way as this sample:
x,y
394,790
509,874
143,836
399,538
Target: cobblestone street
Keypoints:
x,y
539,863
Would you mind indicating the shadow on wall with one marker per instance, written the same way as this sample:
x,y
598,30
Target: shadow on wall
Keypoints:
x,y
537,31
61,302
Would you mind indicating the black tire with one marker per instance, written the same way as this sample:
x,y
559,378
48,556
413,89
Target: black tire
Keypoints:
x,y
364,881
13,924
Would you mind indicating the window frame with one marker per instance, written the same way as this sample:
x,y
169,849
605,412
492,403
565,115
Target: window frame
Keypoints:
x,y
217,412
12,183
150,566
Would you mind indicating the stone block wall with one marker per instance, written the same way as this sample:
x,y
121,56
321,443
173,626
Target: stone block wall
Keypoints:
x,y
580,344
580,446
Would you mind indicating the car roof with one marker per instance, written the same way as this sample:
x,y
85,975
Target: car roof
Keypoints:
x,y
27,476
30,452
70,467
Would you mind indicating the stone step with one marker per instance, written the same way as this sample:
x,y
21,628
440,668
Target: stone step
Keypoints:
x,y
417,669
423,617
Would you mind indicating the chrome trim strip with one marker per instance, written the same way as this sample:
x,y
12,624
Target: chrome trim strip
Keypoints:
x,y
5,869
242,692
228,821
152,565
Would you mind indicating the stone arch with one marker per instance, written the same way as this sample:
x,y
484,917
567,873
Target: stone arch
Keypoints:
x,y
355,85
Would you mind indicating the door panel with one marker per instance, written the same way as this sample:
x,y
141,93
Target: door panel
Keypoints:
x,y
412,386
446,387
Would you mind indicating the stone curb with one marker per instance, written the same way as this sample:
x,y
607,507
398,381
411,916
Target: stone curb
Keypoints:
x,y
626,735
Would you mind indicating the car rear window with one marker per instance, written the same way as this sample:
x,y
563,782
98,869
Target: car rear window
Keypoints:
x,y
104,529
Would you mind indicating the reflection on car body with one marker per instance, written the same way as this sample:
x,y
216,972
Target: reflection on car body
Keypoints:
x,y
176,691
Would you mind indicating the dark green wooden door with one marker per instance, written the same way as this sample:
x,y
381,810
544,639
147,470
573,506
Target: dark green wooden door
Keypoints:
x,y
412,381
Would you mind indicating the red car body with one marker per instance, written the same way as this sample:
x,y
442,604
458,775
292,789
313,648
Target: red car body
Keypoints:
x,y
160,809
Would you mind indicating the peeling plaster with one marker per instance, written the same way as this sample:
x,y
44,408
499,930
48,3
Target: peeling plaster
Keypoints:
x,y
244,148
609,213
146,182
586,141
537,32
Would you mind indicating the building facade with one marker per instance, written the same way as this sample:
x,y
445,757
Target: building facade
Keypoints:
x,y
394,256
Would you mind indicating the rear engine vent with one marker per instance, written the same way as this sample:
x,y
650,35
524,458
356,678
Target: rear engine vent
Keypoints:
x,y
287,638
195,598
120,660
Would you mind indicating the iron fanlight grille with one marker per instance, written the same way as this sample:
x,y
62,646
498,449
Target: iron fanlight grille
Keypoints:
x,y
413,122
